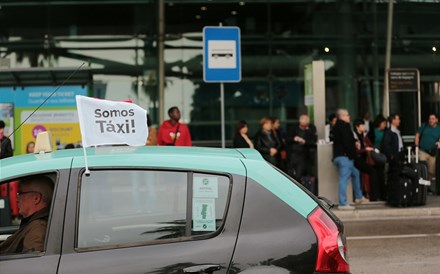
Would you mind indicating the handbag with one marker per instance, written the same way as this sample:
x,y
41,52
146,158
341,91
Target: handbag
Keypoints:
x,y
379,158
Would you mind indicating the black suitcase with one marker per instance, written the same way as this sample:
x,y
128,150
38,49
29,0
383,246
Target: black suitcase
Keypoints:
x,y
400,191
420,176
420,192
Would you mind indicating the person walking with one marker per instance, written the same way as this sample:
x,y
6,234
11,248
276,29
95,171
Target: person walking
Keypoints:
x,y
5,142
428,140
172,132
241,138
344,153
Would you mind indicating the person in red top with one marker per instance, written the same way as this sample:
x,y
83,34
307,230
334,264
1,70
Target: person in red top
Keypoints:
x,y
173,133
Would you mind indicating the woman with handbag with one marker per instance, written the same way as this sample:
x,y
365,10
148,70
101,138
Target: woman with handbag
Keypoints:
x,y
363,160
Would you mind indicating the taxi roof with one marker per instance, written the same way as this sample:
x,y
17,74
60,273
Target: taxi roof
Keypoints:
x,y
196,158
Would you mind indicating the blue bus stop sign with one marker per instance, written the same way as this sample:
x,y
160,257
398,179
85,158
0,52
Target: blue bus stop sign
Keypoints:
x,y
221,54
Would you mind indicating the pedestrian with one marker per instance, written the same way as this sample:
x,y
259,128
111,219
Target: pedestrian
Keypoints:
x,y
393,142
5,142
30,147
299,140
152,133
344,153
241,138
172,132
360,162
367,121
265,142
331,121
393,149
428,140
376,137
278,133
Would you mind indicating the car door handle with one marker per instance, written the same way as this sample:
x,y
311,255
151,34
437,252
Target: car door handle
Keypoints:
x,y
206,268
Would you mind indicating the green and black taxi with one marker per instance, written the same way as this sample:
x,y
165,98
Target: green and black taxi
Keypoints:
x,y
173,210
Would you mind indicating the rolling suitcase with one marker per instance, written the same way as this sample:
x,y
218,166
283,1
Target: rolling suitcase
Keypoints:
x,y
400,191
420,178
421,182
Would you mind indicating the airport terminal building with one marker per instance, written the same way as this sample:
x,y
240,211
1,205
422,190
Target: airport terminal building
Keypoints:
x,y
152,52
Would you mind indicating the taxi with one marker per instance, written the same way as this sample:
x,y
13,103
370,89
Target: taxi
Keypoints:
x,y
174,210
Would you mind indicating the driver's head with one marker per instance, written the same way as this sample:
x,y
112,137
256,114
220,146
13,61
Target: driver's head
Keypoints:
x,y
35,193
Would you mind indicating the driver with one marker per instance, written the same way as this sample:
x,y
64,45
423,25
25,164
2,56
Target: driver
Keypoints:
x,y
34,200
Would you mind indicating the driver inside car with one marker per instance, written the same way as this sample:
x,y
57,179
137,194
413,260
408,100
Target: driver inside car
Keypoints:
x,y
34,200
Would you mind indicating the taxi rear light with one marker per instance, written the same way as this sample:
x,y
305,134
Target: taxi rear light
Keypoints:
x,y
331,247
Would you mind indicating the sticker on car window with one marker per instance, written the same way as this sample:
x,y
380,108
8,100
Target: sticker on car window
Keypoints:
x,y
2,203
205,187
203,214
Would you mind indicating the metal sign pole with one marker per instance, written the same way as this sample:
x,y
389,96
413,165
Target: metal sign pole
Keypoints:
x,y
222,112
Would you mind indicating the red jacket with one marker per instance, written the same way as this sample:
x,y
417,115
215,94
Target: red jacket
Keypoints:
x,y
167,133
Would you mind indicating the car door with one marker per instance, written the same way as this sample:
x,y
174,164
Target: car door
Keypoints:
x,y
46,261
130,220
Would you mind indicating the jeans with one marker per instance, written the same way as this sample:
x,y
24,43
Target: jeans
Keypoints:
x,y
347,170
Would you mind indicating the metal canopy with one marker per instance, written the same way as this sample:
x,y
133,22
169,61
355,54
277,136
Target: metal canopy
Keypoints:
x,y
45,76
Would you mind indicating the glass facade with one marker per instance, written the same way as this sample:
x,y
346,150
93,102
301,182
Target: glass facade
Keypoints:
x,y
119,41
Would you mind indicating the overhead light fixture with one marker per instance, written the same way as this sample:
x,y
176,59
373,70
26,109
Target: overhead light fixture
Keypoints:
x,y
434,49
198,16
326,49
203,8
241,3
234,12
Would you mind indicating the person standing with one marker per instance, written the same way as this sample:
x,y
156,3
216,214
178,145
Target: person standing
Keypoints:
x,y
332,118
299,140
360,162
376,137
172,132
344,153
393,142
428,140
393,149
265,142
5,142
241,138
278,134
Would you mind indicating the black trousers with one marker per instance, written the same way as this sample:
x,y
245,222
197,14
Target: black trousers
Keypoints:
x,y
297,165
361,164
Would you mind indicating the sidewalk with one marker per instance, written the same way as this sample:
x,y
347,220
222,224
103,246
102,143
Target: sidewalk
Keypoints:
x,y
381,211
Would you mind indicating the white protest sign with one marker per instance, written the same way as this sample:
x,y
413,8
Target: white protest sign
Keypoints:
x,y
104,122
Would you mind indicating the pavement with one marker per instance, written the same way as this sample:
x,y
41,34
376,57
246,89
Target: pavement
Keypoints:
x,y
382,211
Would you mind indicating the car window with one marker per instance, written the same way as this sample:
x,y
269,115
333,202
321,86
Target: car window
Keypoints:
x,y
35,194
137,206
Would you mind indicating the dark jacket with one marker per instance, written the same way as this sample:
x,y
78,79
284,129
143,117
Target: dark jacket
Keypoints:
x,y
5,147
391,144
239,142
29,238
344,143
309,135
263,143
